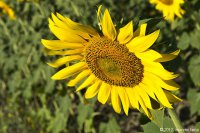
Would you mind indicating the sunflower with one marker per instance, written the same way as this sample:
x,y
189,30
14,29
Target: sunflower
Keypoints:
x,y
117,66
6,9
169,8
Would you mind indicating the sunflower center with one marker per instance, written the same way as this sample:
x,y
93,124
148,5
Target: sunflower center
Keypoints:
x,y
113,63
167,2
110,68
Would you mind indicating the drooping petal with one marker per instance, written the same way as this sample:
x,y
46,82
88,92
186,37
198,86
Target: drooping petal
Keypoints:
x,y
93,89
142,43
167,84
115,100
58,44
69,71
124,99
168,57
125,33
78,78
90,80
104,92
157,69
151,55
59,62
108,27
171,97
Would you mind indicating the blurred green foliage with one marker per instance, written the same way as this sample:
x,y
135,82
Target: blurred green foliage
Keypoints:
x,y
31,102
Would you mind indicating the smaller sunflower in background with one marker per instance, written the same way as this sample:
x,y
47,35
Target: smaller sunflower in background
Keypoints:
x,y
6,9
169,8
117,66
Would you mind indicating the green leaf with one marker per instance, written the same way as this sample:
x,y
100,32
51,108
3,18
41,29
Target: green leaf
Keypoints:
x,y
197,126
84,113
158,116
110,127
168,126
149,127
195,37
58,123
194,69
64,104
89,126
194,100
184,41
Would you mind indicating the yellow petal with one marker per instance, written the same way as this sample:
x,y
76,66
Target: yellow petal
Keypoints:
x,y
58,44
61,24
124,99
148,55
157,69
171,97
140,31
6,9
142,43
76,26
99,15
147,112
51,22
78,78
115,100
104,92
148,90
133,97
151,55
168,57
69,71
65,52
92,90
170,85
167,84
108,27
90,80
64,60
125,33
144,96
66,35
157,90
143,29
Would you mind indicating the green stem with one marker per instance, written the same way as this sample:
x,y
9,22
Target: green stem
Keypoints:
x,y
176,120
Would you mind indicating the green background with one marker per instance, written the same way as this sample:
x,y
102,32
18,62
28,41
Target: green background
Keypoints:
x,y
30,102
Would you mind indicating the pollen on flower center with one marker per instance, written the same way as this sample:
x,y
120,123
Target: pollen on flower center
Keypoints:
x,y
113,63
167,2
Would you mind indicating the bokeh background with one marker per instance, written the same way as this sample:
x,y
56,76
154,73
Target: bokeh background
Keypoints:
x,y
30,102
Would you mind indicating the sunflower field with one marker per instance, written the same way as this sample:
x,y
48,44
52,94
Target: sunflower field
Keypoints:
x,y
99,66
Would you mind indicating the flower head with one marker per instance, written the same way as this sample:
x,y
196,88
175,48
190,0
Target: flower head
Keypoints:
x,y
6,9
117,66
169,8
